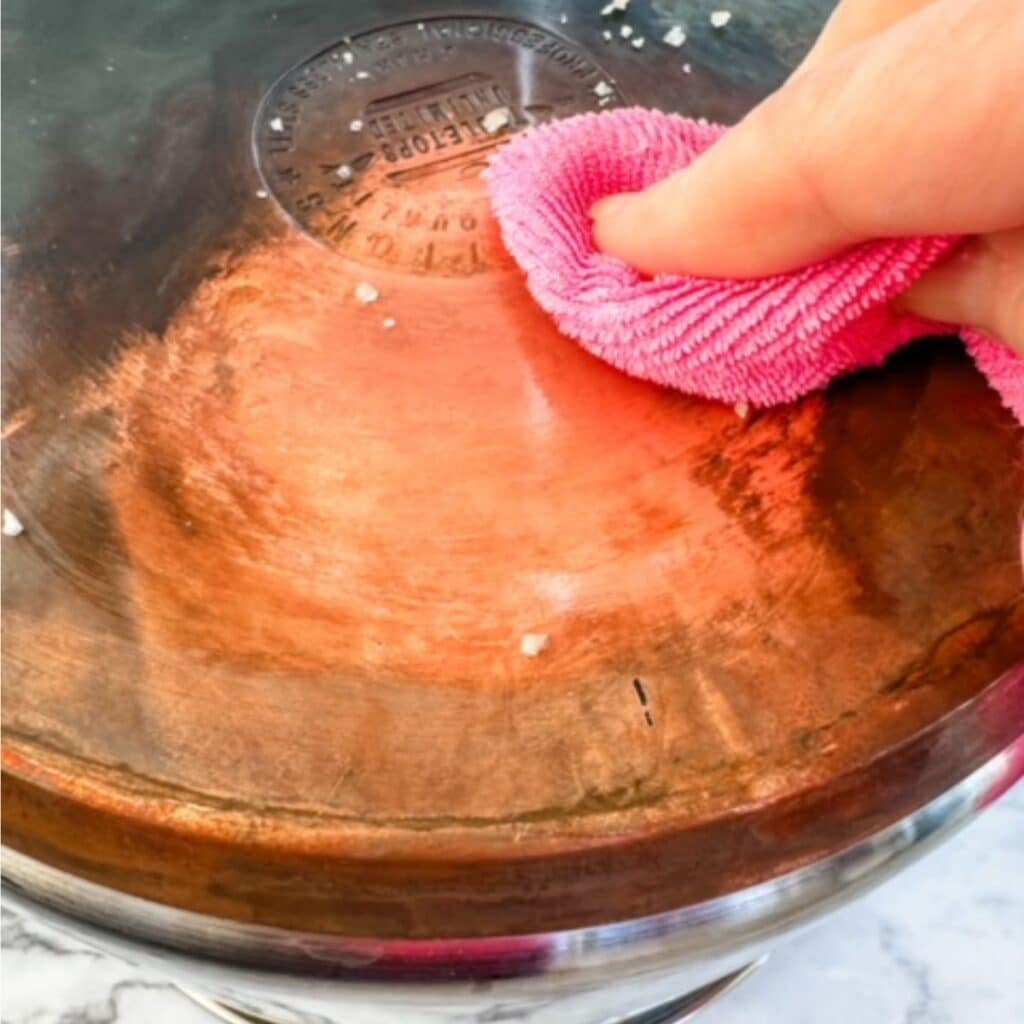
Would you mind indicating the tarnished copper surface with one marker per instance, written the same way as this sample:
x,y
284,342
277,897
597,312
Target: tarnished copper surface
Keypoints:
x,y
262,633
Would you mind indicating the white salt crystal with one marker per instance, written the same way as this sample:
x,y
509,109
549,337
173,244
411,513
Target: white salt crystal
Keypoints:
x,y
348,56
687,68
626,31
388,323
355,125
675,36
742,409
366,293
638,43
533,644
564,19
277,125
362,75
606,36
12,526
719,19
261,193
495,120
344,172
614,7
603,89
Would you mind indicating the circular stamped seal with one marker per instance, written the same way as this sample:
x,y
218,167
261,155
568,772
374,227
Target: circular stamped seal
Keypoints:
x,y
375,147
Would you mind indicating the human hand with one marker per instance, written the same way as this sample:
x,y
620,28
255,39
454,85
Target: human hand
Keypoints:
x,y
906,118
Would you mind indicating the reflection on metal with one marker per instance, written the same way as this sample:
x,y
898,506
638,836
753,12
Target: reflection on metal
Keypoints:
x,y
222,1011
675,1011
687,1007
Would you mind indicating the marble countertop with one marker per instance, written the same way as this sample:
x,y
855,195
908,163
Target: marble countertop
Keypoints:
x,y
943,943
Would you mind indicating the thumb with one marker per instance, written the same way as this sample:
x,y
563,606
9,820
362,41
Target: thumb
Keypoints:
x,y
981,284
918,130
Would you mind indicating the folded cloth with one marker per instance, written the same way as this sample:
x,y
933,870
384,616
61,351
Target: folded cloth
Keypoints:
x,y
761,341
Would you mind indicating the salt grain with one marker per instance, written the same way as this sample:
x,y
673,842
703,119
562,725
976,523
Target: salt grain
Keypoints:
x,y
496,120
277,125
638,43
366,293
626,31
606,36
719,19
421,26
348,56
12,526
355,125
564,19
675,36
614,7
388,323
344,172
261,193
742,409
362,75
533,644
603,89
687,68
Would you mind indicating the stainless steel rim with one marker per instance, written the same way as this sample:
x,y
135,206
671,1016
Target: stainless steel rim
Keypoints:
x,y
701,930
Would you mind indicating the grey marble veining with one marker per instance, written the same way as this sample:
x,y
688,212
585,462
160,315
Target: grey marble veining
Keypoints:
x,y
941,944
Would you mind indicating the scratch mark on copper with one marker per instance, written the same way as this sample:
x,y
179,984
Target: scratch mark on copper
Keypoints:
x,y
21,418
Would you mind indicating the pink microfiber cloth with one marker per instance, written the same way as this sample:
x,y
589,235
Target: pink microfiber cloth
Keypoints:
x,y
762,341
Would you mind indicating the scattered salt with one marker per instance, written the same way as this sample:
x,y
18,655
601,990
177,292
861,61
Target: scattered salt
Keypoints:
x,y
261,193
362,75
12,526
366,293
533,644
277,125
626,31
614,7
388,323
344,172
348,56
355,125
564,19
687,68
495,120
606,36
675,36
603,89
719,19
421,26
742,409
638,43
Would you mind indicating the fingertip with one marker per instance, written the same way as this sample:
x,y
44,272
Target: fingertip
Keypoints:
x,y
605,208
618,227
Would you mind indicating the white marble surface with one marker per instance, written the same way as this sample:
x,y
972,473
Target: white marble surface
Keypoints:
x,y
941,944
